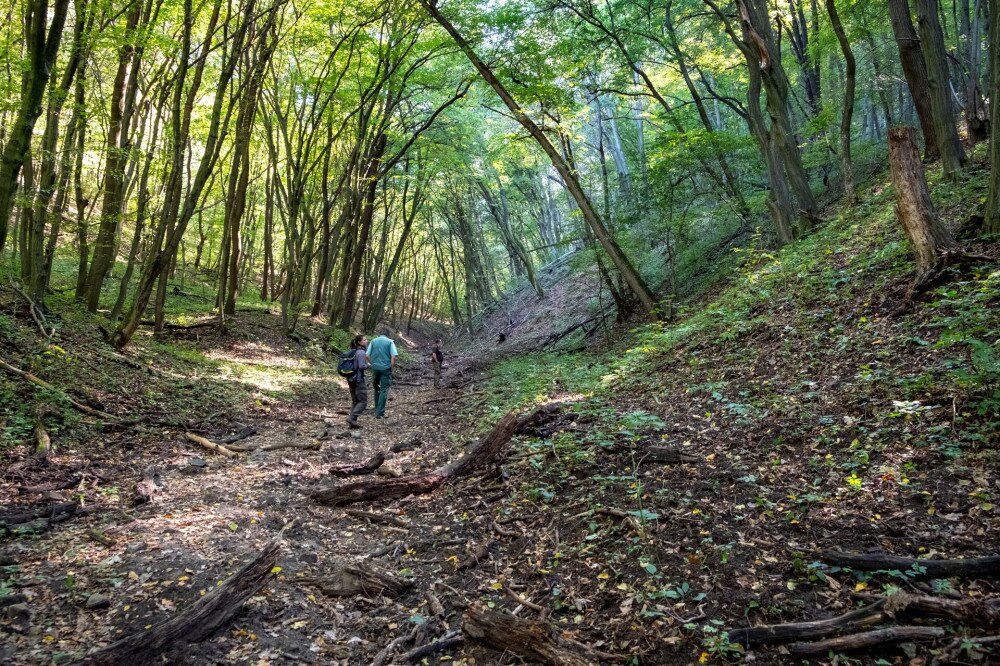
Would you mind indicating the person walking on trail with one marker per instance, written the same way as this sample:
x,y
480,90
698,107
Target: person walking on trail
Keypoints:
x,y
437,358
359,389
382,356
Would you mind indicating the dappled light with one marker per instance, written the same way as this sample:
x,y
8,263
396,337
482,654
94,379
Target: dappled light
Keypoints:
x,y
500,332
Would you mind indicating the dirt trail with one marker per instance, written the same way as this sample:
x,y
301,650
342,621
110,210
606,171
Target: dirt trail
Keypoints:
x,y
211,514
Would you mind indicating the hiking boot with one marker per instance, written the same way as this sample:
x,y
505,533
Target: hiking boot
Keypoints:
x,y
353,423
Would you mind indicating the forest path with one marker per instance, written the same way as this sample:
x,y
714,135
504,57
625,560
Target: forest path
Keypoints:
x,y
211,514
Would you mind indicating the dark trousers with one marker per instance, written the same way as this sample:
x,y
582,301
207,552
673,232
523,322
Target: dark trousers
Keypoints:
x,y
359,397
381,381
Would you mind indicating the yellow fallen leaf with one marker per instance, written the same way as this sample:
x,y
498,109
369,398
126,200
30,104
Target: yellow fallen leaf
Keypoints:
x,y
604,575
276,570
703,659
496,586
860,586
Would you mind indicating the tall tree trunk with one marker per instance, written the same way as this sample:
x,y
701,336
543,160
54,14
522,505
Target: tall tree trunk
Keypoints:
x,y
848,111
977,119
911,58
123,94
42,49
993,207
635,281
939,86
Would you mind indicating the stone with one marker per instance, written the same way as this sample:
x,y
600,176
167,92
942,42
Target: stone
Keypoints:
x,y
97,600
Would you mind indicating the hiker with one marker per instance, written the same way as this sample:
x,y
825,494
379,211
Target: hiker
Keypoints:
x,y
356,380
382,357
437,358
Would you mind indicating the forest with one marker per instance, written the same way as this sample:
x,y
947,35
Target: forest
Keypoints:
x,y
718,288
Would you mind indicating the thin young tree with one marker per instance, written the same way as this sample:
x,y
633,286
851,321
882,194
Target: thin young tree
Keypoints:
x,y
848,111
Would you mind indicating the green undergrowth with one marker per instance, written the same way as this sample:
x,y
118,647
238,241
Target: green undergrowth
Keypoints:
x,y
812,407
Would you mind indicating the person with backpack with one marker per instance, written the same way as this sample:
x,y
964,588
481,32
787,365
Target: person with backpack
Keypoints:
x,y
382,356
352,366
437,358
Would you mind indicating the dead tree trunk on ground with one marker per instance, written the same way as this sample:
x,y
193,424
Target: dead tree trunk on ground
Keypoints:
x,y
197,622
481,454
531,639
931,239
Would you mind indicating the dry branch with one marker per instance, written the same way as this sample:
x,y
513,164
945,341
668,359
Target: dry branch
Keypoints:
x,y
481,454
867,639
783,633
530,639
209,444
27,376
197,622
976,567
970,612
357,469
446,642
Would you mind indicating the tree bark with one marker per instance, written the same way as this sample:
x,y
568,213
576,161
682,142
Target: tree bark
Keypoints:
x,y
848,111
939,86
911,58
931,239
42,51
993,207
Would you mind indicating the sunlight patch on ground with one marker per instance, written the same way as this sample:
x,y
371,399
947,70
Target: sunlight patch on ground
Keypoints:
x,y
255,353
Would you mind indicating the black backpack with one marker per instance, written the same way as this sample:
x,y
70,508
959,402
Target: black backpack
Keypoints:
x,y
347,365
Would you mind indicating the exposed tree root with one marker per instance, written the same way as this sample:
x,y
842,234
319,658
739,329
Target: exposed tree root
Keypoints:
x,y
197,622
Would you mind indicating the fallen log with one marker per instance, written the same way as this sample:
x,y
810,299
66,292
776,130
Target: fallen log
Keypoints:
x,y
866,639
199,620
783,633
51,486
241,435
50,513
408,445
488,449
974,567
446,642
970,612
79,406
347,580
209,444
355,469
531,639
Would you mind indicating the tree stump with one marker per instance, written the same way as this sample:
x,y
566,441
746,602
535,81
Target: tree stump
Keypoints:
x,y
932,240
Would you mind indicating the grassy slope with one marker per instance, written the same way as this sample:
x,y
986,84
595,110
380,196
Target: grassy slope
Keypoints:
x,y
823,419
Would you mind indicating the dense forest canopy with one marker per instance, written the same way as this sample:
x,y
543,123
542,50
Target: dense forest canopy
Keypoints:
x,y
359,161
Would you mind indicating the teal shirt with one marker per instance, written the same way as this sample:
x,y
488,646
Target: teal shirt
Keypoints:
x,y
381,351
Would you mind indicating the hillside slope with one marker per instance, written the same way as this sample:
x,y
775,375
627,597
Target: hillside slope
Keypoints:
x,y
819,418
